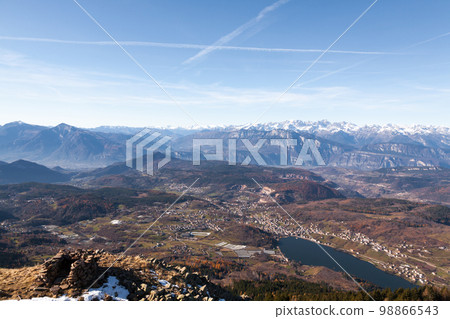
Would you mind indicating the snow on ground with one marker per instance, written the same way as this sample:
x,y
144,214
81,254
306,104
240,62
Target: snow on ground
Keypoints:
x,y
116,222
111,287
164,282
62,298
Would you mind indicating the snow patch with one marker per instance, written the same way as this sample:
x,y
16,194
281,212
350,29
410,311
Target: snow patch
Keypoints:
x,y
111,288
164,282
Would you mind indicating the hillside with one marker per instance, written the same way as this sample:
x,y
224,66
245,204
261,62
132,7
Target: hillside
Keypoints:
x,y
426,184
45,204
24,171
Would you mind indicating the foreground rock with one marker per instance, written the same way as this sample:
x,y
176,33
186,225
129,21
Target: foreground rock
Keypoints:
x,y
71,273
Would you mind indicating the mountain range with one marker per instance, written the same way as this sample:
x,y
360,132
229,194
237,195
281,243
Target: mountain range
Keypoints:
x,y
62,145
340,144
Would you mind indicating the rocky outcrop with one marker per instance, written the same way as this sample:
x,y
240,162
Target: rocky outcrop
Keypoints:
x,y
69,269
175,283
72,273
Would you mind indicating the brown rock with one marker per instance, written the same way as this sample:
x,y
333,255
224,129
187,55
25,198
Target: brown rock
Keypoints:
x,y
108,298
181,297
64,286
55,290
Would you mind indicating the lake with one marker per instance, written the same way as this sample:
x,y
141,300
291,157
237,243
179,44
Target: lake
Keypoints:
x,y
308,253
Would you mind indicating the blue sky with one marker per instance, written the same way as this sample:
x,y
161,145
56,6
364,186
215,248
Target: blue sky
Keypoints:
x,y
224,62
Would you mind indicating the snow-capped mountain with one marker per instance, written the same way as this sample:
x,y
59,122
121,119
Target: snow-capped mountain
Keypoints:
x,y
336,131
341,144
352,134
334,127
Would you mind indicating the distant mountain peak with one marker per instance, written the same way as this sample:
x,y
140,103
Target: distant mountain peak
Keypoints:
x,y
64,126
22,161
22,171
15,123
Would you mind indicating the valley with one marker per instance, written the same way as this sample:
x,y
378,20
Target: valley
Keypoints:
x,y
226,222
225,226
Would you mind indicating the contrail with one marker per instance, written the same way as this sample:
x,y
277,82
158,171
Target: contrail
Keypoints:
x,y
428,40
398,51
333,72
316,60
132,58
230,36
187,46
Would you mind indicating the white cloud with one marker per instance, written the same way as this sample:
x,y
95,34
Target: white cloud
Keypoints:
x,y
10,59
52,94
433,89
